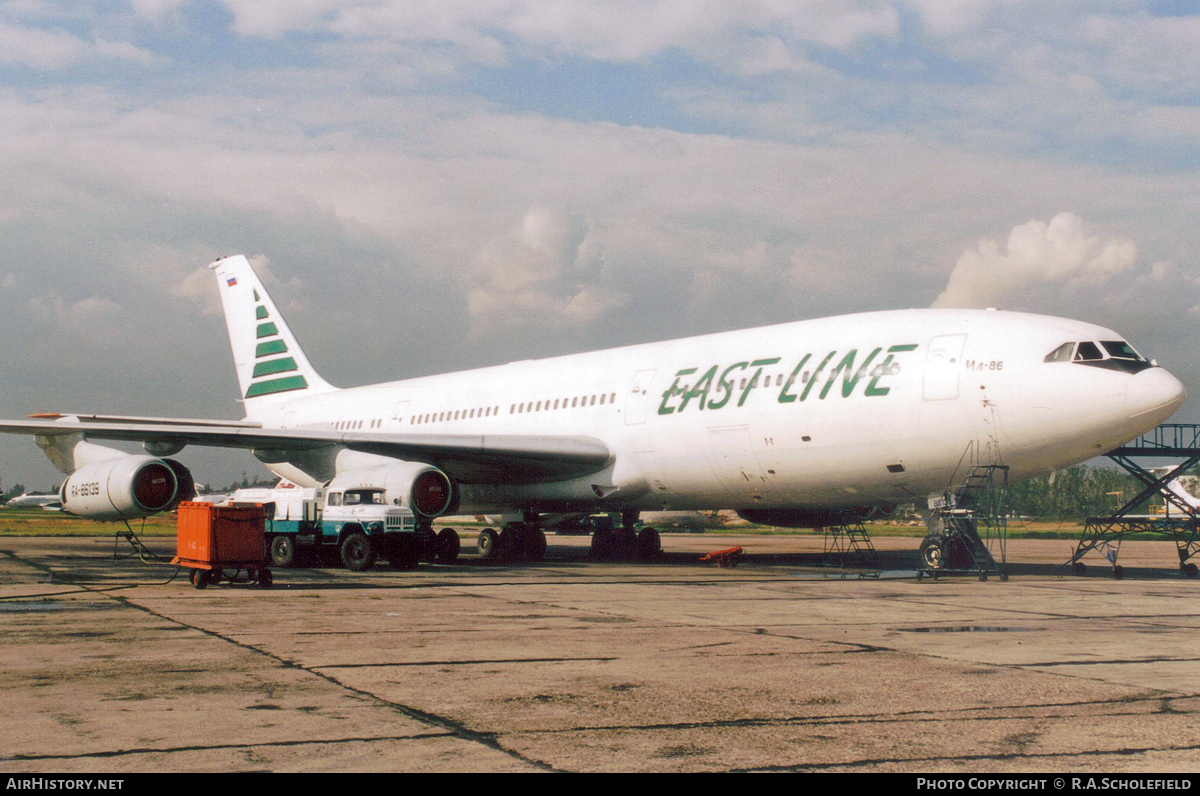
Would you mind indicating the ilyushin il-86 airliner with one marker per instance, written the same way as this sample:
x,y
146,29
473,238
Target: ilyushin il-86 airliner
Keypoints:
x,y
798,424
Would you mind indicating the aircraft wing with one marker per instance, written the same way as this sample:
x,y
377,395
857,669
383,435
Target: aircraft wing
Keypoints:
x,y
469,458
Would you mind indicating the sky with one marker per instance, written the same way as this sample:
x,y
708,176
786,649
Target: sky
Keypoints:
x,y
433,185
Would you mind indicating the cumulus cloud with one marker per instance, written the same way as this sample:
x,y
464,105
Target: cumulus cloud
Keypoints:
x,y
56,49
600,29
92,321
1037,256
546,272
155,10
200,285
38,48
949,19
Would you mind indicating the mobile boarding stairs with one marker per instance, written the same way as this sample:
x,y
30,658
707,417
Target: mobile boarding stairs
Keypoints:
x,y
1181,518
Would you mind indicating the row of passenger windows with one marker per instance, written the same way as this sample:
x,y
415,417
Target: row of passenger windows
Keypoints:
x,y
516,409
461,414
355,425
539,406
561,403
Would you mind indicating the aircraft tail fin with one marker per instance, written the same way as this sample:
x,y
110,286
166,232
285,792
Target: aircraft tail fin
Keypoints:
x,y
271,366
1180,492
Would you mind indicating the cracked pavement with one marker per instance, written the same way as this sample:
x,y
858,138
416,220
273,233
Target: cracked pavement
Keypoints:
x,y
572,665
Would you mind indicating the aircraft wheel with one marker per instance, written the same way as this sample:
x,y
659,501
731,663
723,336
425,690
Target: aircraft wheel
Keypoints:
x,y
510,546
357,553
1079,568
533,544
1189,570
283,551
404,551
649,544
448,545
603,545
1118,571
427,545
488,543
625,545
931,553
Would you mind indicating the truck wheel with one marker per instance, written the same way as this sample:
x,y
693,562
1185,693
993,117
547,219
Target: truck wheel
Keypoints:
x,y
488,543
283,551
448,546
357,553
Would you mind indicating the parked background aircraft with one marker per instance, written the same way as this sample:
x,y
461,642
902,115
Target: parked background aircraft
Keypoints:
x,y
1181,487
26,501
794,424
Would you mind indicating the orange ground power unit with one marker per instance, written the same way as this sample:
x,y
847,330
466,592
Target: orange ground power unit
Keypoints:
x,y
212,538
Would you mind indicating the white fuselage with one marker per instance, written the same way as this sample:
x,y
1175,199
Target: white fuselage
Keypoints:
x,y
836,412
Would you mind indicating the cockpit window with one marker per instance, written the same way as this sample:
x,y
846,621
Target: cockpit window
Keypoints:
x,y
1087,352
1060,354
1119,349
1115,355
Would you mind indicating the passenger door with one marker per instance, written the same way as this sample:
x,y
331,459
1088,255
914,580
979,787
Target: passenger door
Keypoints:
x,y
943,364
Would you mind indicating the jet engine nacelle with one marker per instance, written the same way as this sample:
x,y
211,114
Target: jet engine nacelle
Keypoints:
x,y
127,487
422,488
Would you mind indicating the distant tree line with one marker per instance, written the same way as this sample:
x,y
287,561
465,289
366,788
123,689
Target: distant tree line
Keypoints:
x,y
248,483
1074,494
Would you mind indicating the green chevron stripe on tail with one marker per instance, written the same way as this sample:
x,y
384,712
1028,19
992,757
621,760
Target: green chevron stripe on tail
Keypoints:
x,y
272,386
272,366
270,363
270,347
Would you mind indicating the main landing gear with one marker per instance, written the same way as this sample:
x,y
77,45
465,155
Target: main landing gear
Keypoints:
x,y
441,547
525,540
626,542
517,541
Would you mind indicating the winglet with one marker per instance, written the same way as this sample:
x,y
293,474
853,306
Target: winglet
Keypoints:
x,y
271,366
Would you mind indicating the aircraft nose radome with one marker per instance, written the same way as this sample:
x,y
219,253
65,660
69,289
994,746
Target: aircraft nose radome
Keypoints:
x,y
1152,396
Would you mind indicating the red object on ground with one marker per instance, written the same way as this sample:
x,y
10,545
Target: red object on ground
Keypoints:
x,y
725,558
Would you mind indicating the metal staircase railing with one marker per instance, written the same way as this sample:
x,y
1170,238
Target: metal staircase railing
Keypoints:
x,y
969,527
